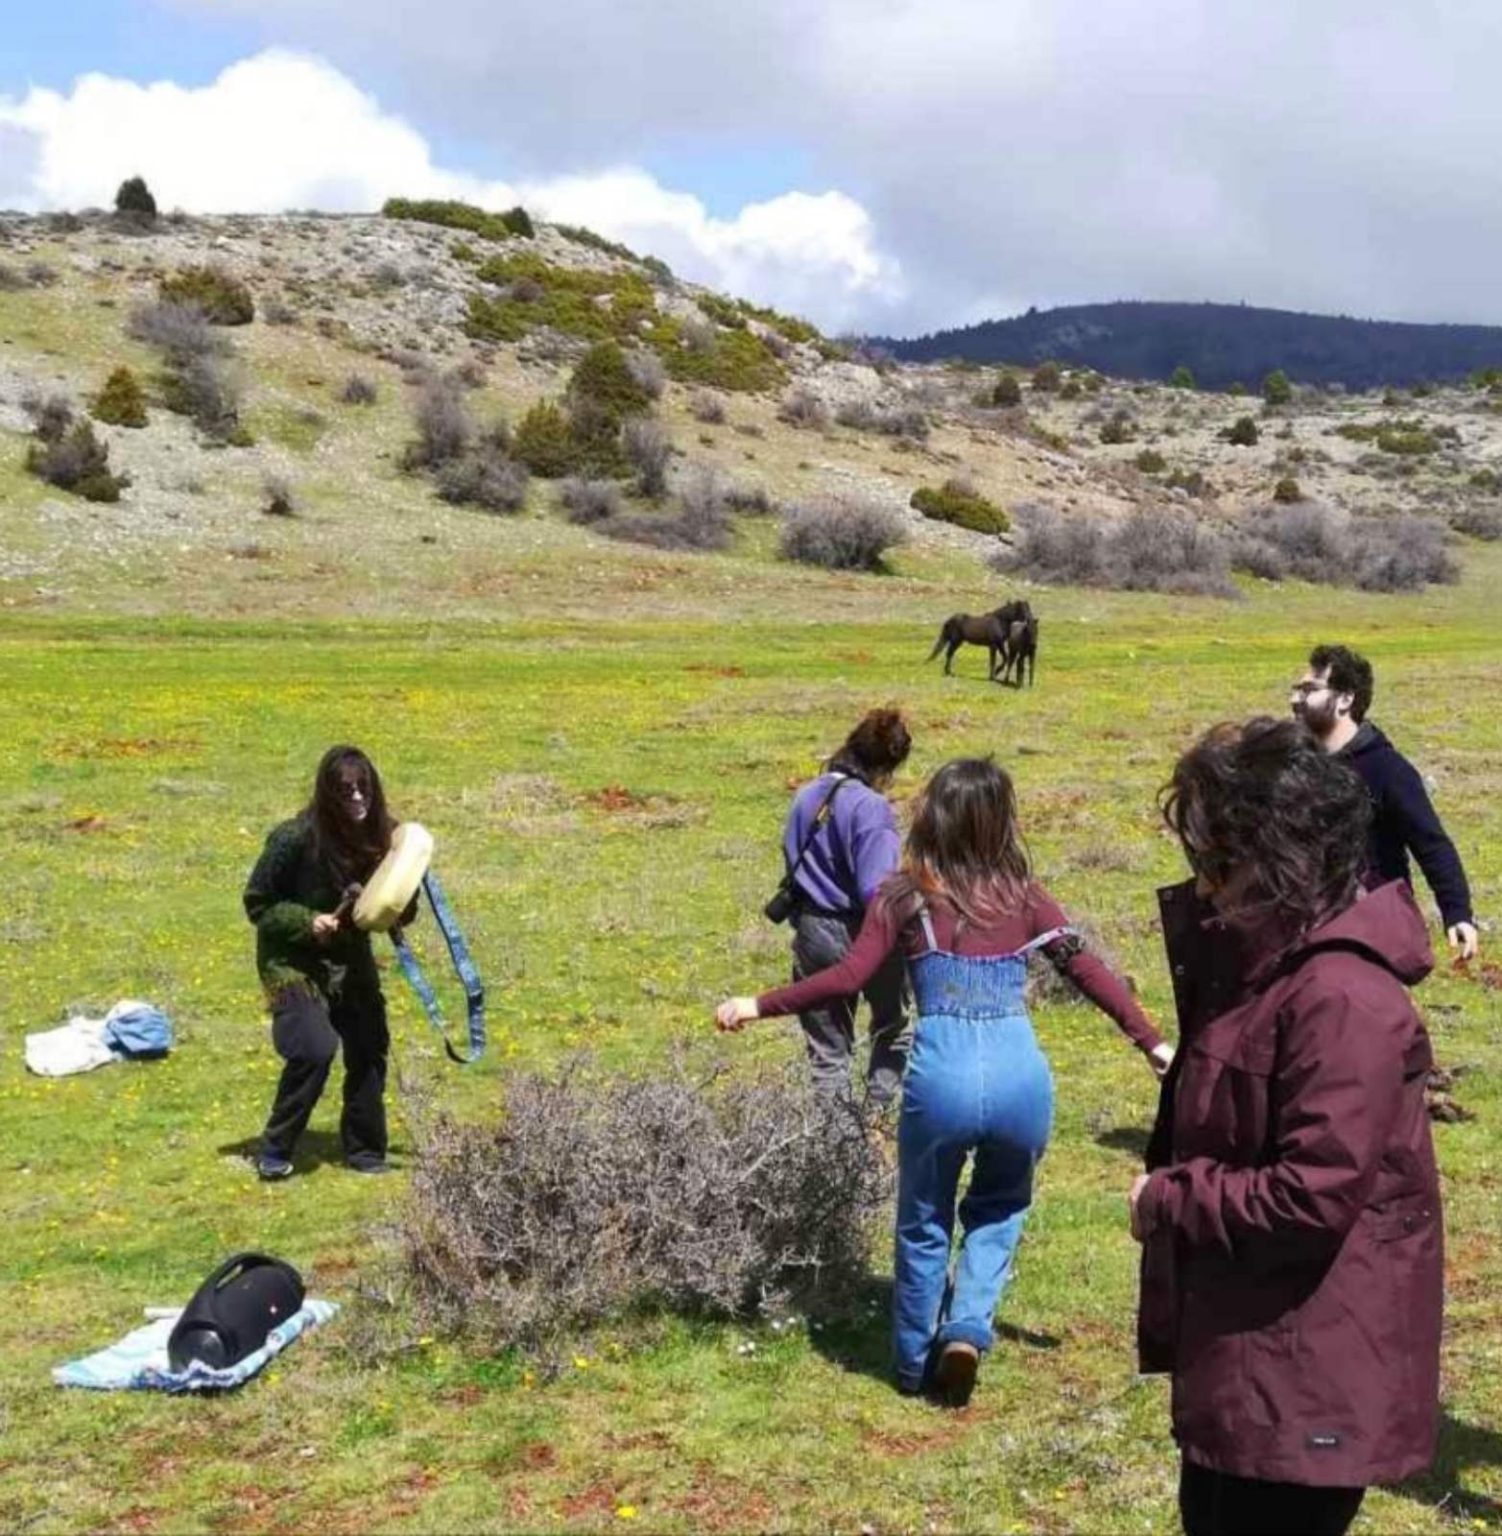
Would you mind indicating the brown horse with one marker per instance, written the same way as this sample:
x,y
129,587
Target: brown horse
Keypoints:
x,y
1020,651
987,629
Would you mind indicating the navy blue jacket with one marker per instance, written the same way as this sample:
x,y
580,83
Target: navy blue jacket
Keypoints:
x,y
1404,822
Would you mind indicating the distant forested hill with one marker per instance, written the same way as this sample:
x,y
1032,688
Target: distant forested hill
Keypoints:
x,y
1220,344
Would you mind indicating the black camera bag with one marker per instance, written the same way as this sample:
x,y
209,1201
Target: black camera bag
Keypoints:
x,y
234,1309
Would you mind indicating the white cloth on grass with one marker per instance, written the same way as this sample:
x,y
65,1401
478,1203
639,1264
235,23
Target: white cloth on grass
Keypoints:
x,y
130,1028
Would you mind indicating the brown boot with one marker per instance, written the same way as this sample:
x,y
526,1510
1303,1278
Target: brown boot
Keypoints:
x,y
954,1375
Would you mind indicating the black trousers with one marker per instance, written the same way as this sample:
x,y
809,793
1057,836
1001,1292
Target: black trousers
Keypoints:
x,y
307,1032
1219,1504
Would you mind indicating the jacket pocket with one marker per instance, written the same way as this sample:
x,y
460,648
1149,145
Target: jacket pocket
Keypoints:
x,y
1220,1105
1400,1216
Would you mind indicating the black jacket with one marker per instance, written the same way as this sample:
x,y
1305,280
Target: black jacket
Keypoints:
x,y
1404,822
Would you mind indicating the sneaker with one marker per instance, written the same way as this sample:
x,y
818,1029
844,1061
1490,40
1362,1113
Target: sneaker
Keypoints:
x,y
369,1165
954,1375
272,1165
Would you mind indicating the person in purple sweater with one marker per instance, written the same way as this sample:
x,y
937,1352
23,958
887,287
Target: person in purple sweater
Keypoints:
x,y
840,843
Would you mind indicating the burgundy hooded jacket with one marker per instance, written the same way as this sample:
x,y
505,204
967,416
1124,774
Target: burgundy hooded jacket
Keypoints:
x,y
1292,1278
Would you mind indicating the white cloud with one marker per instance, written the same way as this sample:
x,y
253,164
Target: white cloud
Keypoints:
x,y
1339,155
284,130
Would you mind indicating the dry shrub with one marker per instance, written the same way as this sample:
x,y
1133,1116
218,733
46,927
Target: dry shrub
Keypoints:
x,y
11,281
750,500
648,370
484,476
701,521
76,461
281,501
648,449
358,390
586,502
1479,522
204,388
803,408
707,408
178,330
1152,550
444,430
50,415
594,1199
841,535
1322,545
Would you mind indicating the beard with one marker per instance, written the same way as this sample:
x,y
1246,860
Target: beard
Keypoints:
x,y
1320,718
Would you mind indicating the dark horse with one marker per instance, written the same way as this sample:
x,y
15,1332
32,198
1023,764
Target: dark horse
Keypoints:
x,y
1020,651
987,629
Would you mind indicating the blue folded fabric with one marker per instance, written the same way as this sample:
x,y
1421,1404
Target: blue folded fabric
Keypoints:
x,y
137,1029
138,1362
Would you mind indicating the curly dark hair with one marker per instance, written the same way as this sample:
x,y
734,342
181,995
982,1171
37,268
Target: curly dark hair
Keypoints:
x,y
1266,796
349,851
1349,673
877,747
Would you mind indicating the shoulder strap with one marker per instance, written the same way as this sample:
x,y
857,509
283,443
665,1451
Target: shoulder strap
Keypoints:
x,y
1043,940
820,817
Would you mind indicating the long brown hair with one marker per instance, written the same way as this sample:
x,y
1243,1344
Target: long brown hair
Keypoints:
x,y
348,850
964,846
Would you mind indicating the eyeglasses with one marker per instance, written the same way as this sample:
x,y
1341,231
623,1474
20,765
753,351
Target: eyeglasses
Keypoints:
x,y
1307,690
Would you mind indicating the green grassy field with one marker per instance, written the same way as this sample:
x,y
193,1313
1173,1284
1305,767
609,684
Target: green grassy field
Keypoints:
x,y
141,764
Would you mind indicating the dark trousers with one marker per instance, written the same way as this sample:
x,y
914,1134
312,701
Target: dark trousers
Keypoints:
x,y
307,1032
820,941
1218,1504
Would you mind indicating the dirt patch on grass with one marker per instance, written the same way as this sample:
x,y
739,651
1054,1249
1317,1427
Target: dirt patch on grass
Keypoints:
x,y
115,748
1485,973
650,812
714,1502
93,822
598,1499
713,671
914,1442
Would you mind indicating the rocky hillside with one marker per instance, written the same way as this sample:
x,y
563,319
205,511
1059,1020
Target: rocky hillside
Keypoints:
x,y
275,473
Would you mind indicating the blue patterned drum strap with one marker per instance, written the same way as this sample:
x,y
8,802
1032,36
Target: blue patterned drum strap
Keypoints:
x,y
464,968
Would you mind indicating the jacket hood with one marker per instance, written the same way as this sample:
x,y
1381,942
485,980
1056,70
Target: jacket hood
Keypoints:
x,y
1367,739
1386,924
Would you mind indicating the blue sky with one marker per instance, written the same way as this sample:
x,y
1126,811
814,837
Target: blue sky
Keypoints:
x,y
51,42
889,165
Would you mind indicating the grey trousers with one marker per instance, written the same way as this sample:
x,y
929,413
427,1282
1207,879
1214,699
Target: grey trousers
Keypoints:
x,y
829,1032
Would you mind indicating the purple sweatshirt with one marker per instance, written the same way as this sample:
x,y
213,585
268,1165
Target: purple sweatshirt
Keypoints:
x,y
851,854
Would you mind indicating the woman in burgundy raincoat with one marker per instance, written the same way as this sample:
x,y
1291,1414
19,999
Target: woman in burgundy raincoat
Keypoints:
x,y
1290,1217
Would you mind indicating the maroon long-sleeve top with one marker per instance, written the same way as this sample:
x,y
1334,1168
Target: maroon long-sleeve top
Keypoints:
x,y
882,932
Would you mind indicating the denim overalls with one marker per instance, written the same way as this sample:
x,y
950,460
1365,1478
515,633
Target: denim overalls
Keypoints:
x,y
976,1081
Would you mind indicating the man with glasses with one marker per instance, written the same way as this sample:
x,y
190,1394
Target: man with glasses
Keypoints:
x,y
1332,699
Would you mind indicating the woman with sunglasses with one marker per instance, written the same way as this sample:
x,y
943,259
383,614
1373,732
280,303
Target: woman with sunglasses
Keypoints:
x,y
317,968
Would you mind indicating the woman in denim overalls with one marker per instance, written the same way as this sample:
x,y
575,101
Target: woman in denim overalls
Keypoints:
x,y
966,913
